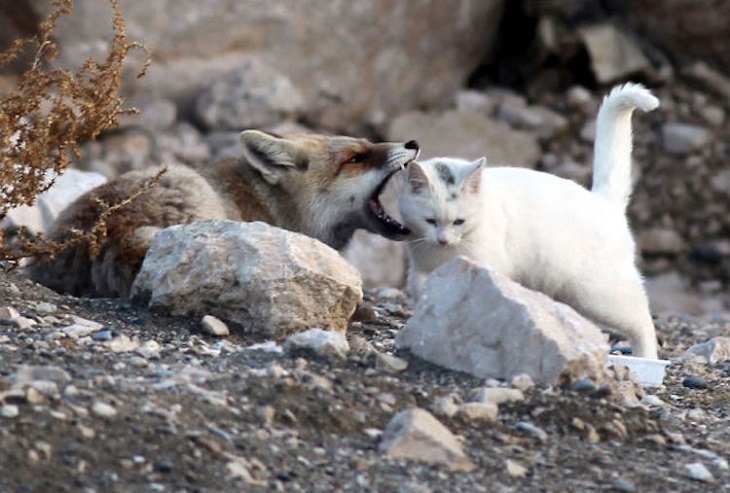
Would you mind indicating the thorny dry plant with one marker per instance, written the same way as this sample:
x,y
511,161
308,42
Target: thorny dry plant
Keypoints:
x,y
48,116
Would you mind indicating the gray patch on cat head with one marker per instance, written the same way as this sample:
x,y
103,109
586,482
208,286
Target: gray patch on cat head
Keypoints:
x,y
445,173
453,196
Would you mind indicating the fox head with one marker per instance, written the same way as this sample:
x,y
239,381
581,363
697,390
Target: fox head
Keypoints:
x,y
334,182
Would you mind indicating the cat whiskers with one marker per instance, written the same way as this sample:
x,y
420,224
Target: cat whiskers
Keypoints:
x,y
417,243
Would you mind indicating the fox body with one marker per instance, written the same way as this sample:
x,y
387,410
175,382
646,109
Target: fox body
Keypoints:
x,y
545,232
323,186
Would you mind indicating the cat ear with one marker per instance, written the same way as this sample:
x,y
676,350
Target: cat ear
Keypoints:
x,y
473,181
418,182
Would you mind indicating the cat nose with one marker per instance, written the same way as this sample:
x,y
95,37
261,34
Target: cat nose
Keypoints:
x,y
443,241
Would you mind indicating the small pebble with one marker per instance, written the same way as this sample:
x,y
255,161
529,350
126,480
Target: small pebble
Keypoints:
x,y
694,382
9,411
532,430
515,469
103,409
164,465
389,363
8,314
214,326
653,401
585,385
621,484
522,381
699,472
102,335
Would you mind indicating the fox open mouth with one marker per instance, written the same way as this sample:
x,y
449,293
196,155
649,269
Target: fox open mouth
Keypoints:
x,y
386,225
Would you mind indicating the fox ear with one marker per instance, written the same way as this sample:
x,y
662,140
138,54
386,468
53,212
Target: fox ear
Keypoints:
x,y
473,180
418,182
269,154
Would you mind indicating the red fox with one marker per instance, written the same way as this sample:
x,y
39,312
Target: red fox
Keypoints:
x,y
323,186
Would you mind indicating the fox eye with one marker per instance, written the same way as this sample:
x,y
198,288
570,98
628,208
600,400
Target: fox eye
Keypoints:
x,y
357,158
431,221
458,222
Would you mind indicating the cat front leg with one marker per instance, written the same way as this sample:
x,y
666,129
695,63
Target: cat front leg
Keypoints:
x,y
416,280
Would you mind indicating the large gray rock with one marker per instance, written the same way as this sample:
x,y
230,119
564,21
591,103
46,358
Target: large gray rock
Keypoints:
x,y
259,277
252,96
351,60
475,320
468,135
415,434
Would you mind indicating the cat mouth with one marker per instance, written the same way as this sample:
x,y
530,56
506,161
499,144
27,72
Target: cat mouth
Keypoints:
x,y
383,223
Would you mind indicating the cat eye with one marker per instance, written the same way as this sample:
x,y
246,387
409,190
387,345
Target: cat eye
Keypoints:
x,y
458,222
431,221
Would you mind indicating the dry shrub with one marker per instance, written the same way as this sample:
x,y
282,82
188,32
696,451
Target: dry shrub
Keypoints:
x,y
49,115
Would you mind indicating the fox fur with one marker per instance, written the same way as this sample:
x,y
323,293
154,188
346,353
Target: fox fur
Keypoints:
x,y
323,186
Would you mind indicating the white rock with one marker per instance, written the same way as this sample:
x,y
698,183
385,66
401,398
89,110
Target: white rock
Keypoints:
x,y
468,135
498,395
681,138
699,472
711,352
415,434
102,409
321,342
8,314
389,363
77,331
479,411
263,278
515,469
653,401
446,405
40,217
214,326
9,411
502,329
613,54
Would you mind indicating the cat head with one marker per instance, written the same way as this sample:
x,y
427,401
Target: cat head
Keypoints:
x,y
440,201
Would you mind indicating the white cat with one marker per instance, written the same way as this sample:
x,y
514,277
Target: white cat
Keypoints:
x,y
545,232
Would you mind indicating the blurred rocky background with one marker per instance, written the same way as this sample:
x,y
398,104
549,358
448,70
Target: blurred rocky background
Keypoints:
x,y
518,81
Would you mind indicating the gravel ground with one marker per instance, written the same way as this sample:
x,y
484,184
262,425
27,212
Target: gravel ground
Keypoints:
x,y
144,402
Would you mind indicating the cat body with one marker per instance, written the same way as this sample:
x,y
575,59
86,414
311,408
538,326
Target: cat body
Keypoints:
x,y
547,233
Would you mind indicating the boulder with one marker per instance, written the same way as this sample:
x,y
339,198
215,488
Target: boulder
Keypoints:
x,y
258,277
251,96
349,61
473,319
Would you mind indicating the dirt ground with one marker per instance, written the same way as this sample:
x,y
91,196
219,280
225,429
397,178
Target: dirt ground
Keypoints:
x,y
150,403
